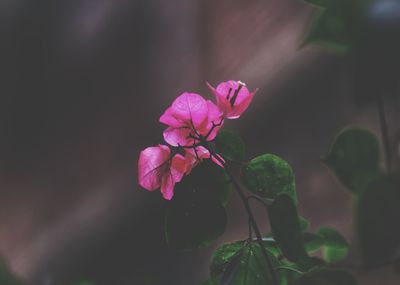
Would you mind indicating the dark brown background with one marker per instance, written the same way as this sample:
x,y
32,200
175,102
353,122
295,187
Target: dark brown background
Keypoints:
x,y
85,84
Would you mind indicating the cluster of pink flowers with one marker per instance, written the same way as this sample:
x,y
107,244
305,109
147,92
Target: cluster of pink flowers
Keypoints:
x,y
192,122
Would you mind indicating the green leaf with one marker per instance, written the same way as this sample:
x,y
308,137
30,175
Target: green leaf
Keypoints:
x,y
84,283
268,176
196,215
354,158
319,3
242,263
336,26
312,242
195,224
286,228
223,255
378,216
271,245
335,247
288,272
230,146
6,277
217,180
326,277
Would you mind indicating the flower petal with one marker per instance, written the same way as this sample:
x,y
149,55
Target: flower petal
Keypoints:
x,y
179,137
218,159
215,121
243,101
170,118
153,163
232,97
197,153
189,109
179,166
200,153
167,186
193,156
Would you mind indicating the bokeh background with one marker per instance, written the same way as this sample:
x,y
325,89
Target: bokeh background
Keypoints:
x,y
84,85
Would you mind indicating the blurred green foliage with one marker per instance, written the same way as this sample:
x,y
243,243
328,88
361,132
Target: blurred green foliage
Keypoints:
x,y
354,158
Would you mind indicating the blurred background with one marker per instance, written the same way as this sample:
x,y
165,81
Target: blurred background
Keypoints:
x,y
85,83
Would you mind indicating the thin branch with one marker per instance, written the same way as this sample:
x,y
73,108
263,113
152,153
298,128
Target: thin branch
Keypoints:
x,y
384,133
251,218
212,128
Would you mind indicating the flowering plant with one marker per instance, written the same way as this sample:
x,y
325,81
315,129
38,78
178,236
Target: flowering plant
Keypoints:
x,y
197,158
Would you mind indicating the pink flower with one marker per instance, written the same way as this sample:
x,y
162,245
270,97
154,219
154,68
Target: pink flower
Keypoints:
x,y
232,97
157,169
191,119
192,122
198,154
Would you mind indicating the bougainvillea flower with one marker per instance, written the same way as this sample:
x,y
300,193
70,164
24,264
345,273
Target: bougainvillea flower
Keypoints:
x,y
232,98
198,154
191,118
195,155
157,169
218,159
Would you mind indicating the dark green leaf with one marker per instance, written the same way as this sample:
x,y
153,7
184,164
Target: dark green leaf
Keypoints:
x,y
336,27
326,277
291,271
286,228
378,216
354,158
288,272
230,146
195,216
223,255
312,243
217,180
268,176
335,247
248,266
271,245
194,225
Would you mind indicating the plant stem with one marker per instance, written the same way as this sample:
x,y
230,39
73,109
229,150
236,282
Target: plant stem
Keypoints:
x,y
253,223
252,219
384,132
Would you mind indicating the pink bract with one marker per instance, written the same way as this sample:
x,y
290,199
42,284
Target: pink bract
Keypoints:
x,y
158,170
199,153
233,98
190,117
